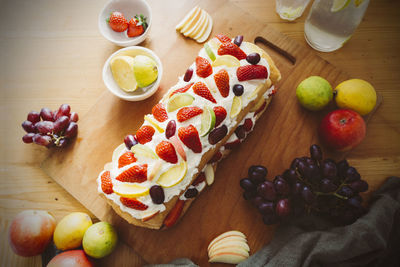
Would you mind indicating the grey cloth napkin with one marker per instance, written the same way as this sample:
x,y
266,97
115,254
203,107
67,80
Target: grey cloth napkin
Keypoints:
x,y
373,240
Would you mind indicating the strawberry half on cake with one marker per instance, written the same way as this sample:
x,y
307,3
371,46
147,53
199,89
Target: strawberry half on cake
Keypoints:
x,y
154,176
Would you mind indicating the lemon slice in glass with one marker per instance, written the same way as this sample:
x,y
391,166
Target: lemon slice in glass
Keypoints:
x,y
339,5
173,175
122,71
143,151
179,100
145,70
207,121
154,123
130,190
226,60
236,106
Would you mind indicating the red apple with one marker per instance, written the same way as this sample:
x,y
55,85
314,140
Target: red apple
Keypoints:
x,y
30,232
71,258
342,129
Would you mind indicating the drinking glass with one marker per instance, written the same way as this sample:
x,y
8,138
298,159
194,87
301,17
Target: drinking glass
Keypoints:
x,y
331,23
290,9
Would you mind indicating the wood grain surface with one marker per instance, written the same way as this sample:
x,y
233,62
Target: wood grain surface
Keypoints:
x,y
52,52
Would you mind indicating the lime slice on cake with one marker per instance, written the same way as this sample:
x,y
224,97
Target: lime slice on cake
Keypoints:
x,y
130,190
236,106
339,5
173,175
154,123
226,60
145,70
179,100
209,52
207,121
122,71
143,151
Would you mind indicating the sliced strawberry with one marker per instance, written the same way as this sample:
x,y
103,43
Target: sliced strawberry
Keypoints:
x,y
232,145
133,203
217,156
202,90
166,151
200,178
220,115
106,183
273,91
117,21
135,174
250,72
248,124
174,214
145,134
203,67
229,48
223,38
190,137
126,159
186,113
182,90
221,79
261,108
159,112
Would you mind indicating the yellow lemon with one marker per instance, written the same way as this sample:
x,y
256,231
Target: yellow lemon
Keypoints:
x,y
356,94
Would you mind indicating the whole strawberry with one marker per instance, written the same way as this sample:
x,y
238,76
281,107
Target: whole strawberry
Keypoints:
x,y
137,26
117,21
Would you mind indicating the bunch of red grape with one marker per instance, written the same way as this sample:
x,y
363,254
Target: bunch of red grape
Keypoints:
x,y
51,128
311,185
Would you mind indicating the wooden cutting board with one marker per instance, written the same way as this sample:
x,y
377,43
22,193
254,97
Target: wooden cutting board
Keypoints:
x,y
285,131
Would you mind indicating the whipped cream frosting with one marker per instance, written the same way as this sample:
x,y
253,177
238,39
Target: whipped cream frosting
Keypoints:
x,y
193,159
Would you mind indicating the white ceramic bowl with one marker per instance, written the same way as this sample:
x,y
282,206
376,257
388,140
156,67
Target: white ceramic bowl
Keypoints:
x,y
129,8
140,93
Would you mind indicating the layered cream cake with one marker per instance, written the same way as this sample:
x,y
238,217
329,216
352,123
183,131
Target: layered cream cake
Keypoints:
x,y
208,112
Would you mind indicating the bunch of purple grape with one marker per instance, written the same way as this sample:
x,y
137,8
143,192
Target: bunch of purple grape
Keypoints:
x,y
311,185
51,128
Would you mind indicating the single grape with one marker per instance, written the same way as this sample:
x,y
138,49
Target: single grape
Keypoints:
x,y
329,169
45,127
29,127
342,167
290,175
71,130
240,132
345,191
283,207
308,195
74,117
281,186
60,124
188,75
247,184
46,114
352,175
314,173
253,58
266,207
267,190
217,134
315,152
170,129
157,194
63,110
43,140
191,193
28,138
297,188
354,202
303,169
63,142
238,40
238,89
257,200
130,141
359,186
33,117
249,194
327,186
257,173
270,219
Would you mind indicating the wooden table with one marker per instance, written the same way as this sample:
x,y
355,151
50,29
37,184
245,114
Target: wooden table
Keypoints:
x,y
52,53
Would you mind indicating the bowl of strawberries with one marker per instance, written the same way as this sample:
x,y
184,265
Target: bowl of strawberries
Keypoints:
x,y
125,22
